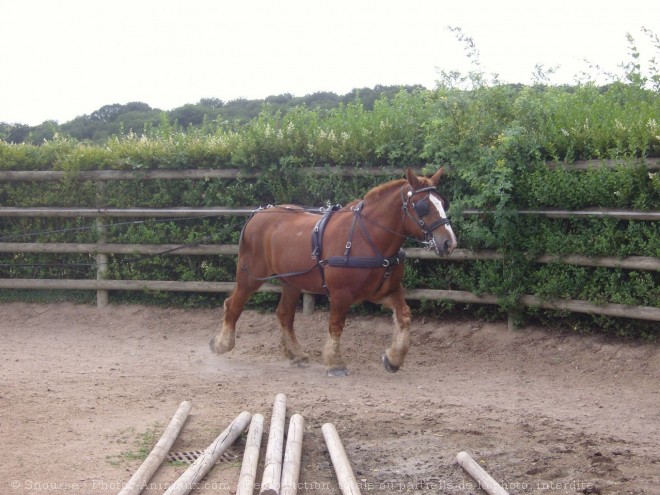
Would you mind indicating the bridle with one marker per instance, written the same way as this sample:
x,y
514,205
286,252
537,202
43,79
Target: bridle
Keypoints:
x,y
421,209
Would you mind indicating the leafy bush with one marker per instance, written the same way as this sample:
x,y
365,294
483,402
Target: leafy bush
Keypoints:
x,y
494,139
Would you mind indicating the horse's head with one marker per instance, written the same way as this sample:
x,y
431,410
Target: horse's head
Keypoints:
x,y
426,213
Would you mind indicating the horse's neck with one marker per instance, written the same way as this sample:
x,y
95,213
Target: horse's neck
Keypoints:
x,y
385,219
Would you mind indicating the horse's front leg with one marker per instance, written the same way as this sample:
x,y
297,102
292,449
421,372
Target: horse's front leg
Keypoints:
x,y
395,355
334,362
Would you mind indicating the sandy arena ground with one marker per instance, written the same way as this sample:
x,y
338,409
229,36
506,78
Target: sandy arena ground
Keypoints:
x,y
83,389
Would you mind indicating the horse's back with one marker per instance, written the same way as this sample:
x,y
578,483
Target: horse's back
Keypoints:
x,y
278,240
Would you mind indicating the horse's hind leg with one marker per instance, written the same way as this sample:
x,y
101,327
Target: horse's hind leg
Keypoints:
x,y
395,355
225,339
286,312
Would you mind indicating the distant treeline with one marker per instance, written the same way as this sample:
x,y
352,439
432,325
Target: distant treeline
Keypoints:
x,y
137,117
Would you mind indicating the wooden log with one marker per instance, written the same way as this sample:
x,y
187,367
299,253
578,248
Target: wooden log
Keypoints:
x,y
57,212
251,456
649,163
627,262
345,477
204,463
457,255
165,285
161,174
610,309
235,173
64,212
485,481
650,313
108,248
155,458
452,295
270,482
650,216
292,456
156,174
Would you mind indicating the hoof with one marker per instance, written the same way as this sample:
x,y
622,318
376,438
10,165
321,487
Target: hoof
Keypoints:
x,y
338,372
218,347
300,361
389,366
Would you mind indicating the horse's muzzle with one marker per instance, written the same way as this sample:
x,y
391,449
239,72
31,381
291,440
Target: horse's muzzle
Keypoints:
x,y
443,244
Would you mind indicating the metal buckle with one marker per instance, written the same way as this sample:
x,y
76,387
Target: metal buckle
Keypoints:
x,y
430,244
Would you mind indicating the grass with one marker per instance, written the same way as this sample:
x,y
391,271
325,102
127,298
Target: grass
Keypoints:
x,y
141,444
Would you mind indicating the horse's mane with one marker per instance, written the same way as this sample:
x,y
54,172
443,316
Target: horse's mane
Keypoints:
x,y
375,194
378,191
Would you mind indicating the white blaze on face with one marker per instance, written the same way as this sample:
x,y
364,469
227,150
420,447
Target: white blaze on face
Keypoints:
x,y
441,210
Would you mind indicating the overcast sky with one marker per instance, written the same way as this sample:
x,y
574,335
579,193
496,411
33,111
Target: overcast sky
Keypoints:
x,y
65,58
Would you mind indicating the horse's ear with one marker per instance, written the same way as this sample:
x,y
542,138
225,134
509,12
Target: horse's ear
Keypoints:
x,y
412,179
436,177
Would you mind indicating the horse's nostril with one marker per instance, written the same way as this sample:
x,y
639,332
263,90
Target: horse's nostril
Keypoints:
x,y
446,246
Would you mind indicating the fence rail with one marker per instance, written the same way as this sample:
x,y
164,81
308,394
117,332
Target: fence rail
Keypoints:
x,y
234,173
102,249
629,262
610,309
9,211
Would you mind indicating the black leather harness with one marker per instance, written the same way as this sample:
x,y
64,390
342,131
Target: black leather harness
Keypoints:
x,y
420,208
348,261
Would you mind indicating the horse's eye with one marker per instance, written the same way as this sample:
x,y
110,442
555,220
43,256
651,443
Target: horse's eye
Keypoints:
x,y
421,207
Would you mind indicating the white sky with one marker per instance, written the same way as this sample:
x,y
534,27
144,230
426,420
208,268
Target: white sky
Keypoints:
x,y
63,58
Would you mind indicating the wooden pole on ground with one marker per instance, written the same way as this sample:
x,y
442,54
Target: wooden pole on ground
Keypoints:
x,y
292,456
251,456
155,458
270,482
204,463
347,483
486,482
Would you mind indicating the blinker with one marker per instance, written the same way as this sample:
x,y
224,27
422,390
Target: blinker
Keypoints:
x,y
421,207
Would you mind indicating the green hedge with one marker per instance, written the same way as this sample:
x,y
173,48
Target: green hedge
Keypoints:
x,y
495,140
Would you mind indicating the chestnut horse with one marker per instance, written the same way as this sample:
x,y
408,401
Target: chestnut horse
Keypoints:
x,y
356,255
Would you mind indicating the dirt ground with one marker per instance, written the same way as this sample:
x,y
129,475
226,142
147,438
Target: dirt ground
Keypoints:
x,y
82,390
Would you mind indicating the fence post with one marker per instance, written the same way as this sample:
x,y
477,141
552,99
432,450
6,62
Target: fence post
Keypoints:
x,y
309,302
101,258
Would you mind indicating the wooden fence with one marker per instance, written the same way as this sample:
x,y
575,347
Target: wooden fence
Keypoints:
x,y
101,249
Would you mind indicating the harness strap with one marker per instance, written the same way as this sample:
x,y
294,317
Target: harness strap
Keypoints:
x,y
366,261
317,243
348,261
319,228
356,215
